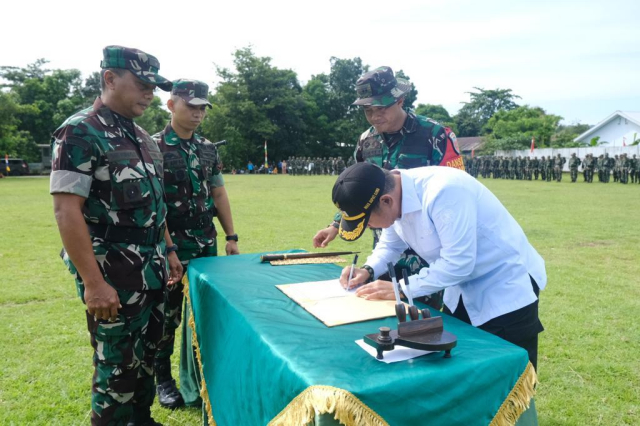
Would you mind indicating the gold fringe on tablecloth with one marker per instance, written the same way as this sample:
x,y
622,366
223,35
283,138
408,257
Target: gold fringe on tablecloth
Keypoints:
x,y
309,261
518,400
348,409
344,406
204,394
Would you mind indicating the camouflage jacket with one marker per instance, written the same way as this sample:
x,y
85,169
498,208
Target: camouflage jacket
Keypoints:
x,y
420,142
191,169
574,162
559,161
116,166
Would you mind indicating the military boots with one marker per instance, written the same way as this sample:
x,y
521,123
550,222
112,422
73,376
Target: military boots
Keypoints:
x,y
168,394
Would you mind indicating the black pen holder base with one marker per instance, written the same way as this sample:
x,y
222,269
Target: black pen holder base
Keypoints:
x,y
427,334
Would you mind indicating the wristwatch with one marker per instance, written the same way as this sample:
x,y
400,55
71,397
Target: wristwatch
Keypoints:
x,y
172,248
233,237
369,269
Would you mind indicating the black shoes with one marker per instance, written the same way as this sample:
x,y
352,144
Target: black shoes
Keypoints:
x,y
169,395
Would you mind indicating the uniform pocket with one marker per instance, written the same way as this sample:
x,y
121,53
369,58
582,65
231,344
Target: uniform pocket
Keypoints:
x,y
175,168
130,187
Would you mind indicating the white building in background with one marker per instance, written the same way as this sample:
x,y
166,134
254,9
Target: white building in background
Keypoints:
x,y
619,129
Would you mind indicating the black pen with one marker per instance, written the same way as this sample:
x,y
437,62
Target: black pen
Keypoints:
x,y
353,265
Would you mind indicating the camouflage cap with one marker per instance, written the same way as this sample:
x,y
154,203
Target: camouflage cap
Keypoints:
x,y
193,92
141,64
380,88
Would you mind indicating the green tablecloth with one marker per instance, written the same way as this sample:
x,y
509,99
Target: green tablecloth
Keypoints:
x,y
265,359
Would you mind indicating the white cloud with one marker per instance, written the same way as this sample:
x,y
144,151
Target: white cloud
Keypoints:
x,y
565,54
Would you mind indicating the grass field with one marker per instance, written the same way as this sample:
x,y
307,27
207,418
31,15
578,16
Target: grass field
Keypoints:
x,y
589,236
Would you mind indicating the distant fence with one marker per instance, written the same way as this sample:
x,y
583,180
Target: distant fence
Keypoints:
x,y
581,152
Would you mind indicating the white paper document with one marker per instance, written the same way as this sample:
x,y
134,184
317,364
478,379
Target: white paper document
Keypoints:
x,y
333,305
321,290
400,353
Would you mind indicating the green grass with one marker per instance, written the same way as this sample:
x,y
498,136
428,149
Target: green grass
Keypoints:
x,y
589,236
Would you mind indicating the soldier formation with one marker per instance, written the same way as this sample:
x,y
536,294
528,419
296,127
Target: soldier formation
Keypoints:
x,y
549,168
307,166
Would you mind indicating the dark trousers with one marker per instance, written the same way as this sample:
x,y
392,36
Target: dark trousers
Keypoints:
x,y
520,327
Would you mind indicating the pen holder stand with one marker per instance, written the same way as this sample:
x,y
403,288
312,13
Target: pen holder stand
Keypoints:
x,y
426,334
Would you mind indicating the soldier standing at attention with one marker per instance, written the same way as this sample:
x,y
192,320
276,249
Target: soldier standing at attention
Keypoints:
x,y
535,164
109,203
587,164
195,195
624,169
550,169
557,168
608,165
397,139
543,168
600,168
634,167
574,163
527,168
340,166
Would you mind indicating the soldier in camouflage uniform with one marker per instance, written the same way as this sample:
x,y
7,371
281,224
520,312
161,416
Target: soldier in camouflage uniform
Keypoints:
x,y
340,166
550,168
608,164
574,163
616,168
600,168
396,139
511,167
587,168
624,169
535,167
634,167
195,195
109,202
543,168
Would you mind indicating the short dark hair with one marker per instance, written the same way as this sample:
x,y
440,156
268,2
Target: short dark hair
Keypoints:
x,y
117,71
389,185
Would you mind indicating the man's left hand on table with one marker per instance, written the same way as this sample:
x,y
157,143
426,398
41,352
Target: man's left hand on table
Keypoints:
x,y
377,290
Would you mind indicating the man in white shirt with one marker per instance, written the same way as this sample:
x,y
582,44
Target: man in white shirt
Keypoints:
x,y
476,250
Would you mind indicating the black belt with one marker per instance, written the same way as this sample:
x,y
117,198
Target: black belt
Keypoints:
x,y
201,221
126,234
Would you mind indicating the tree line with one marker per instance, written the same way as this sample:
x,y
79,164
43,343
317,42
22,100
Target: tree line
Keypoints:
x,y
256,101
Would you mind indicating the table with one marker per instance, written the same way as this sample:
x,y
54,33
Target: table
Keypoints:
x,y
265,360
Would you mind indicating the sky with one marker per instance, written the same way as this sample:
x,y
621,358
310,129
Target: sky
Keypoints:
x,y
576,59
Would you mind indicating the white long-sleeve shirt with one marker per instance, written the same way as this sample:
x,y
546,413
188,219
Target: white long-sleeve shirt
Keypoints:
x,y
474,247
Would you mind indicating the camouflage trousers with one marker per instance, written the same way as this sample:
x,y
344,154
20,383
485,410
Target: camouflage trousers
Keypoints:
x,y
412,263
574,174
557,173
123,384
624,175
173,304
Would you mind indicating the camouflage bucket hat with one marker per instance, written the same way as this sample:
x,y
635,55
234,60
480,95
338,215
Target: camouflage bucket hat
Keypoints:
x,y
193,92
141,64
380,88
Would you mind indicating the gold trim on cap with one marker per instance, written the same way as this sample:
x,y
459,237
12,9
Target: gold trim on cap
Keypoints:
x,y
352,235
356,217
